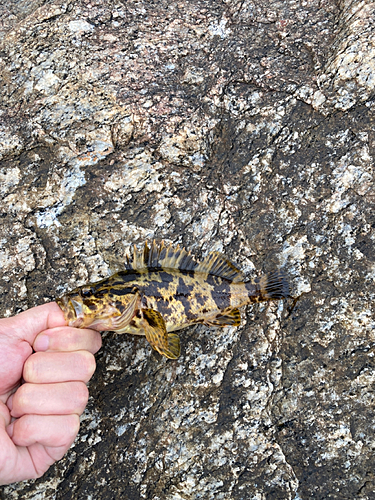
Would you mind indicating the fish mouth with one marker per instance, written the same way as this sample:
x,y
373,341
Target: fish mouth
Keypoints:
x,y
72,309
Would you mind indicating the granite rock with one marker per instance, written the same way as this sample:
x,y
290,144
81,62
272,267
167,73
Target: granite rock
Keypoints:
x,y
244,127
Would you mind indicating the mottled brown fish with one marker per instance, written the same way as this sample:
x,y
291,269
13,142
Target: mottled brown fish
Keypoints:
x,y
163,289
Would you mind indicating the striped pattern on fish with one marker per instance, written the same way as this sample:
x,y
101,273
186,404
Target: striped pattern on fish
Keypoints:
x,y
163,289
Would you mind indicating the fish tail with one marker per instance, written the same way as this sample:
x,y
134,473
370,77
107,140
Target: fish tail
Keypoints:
x,y
272,286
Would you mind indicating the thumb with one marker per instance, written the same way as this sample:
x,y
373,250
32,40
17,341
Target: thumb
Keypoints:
x,y
28,324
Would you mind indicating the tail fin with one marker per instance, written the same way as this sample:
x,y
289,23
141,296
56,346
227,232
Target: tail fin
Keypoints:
x,y
273,286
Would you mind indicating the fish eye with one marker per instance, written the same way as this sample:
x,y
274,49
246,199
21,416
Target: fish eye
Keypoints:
x,y
86,292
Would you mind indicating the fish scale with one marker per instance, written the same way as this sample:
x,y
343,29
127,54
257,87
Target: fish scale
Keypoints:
x,y
162,290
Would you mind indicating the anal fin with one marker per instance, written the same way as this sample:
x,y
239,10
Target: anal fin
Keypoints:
x,y
174,348
233,318
154,327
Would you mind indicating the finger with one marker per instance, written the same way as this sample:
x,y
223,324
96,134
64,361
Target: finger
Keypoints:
x,y
68,339
48,430
9,460
47,439
4,414
51,367
4,398
28,324
49,399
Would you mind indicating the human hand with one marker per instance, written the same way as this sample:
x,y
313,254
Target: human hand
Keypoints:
x,y
39,419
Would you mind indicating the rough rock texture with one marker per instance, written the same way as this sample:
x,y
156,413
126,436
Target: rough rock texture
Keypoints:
x,y
240,126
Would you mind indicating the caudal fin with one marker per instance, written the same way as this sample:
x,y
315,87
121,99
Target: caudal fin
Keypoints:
x,y
273,286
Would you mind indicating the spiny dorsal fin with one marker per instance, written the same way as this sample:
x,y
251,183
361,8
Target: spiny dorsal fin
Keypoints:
x,y
218,265
176,258
160,256
137,261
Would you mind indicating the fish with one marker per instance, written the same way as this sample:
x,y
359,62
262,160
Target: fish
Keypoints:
x,y
163,289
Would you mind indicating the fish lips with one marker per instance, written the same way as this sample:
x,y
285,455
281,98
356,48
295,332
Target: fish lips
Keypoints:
x,y
75,317
73,311
78,310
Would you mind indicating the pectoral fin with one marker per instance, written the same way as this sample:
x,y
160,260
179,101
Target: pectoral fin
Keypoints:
x,y
154,326
233,318
120,323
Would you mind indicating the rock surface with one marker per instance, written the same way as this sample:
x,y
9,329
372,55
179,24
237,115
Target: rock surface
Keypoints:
x,y
245,127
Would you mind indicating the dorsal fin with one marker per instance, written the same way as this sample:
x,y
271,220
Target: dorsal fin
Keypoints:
x,y
218,265
176,258
160,256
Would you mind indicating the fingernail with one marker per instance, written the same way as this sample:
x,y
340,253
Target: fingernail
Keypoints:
x,y
41,343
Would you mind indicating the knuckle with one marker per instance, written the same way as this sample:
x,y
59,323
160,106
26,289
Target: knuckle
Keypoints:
x,y
98,341
21,399
82,396
89,364
30,368
72,426
22,427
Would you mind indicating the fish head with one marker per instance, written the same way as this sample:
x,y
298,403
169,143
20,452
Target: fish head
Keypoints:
x,y
95,306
